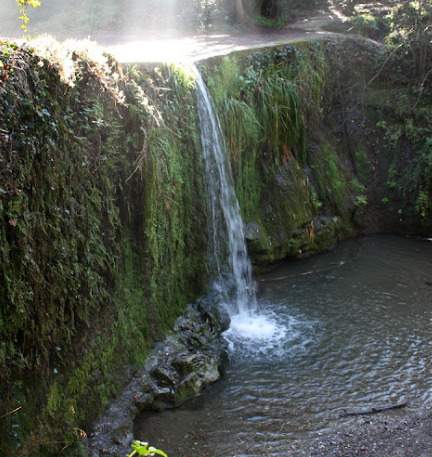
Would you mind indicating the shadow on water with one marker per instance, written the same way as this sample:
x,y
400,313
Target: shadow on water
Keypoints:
x,y
357,334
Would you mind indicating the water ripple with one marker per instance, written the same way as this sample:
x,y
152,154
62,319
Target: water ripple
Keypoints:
x,y
319,347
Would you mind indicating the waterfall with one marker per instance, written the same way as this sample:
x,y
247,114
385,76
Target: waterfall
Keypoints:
x,y
251,330
228,247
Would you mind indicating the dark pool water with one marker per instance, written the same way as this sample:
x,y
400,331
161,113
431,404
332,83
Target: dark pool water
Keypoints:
x,y
358,334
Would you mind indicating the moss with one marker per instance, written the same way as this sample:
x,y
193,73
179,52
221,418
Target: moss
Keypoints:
x,y
364,167
332,181
174,177
99,247
269,103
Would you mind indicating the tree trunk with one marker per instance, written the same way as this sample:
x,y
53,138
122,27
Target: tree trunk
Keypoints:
x,y
240,11
269,8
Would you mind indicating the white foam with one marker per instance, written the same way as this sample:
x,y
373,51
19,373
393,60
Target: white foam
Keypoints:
x,y
256,327
257,333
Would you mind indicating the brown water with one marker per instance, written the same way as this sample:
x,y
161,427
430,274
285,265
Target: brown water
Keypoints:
x,y
357,333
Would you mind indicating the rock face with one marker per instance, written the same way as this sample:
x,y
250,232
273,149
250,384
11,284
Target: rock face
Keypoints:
x,y
178,369
308,162
119,256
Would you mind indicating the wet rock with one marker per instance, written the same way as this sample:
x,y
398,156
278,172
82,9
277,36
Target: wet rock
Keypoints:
x,y
165,375
253,231
164,398
216,317
143,400
123,438
225,320
187,362
178,369
191,385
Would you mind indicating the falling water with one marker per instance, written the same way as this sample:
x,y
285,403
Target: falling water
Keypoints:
x,y
225,212
228,247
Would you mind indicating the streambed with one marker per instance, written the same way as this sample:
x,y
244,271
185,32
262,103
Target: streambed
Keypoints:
x,y
354,332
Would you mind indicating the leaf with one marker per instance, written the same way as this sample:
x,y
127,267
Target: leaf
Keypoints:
x,y
143,449
158,452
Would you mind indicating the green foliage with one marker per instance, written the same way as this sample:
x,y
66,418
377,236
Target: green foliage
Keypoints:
x,y
405,109
259,108
361,200
140,448
275,91
421,180
392,179
331,179
316,202
98,217
267,101
423,204
411,35
23,6
407,134
277,104
359,192
59,237
172,158
366,24
363,165
404,26
60,222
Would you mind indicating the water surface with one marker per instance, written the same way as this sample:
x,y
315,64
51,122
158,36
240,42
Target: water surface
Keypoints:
x,y
355,333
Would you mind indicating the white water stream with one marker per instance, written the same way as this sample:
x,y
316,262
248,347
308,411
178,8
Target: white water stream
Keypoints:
x,y
229,258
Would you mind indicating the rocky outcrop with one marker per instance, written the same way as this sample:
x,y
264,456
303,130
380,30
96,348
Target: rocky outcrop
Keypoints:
x,y
178,369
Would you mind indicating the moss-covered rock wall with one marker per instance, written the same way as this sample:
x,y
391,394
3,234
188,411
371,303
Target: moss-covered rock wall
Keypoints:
x,y
316,156
294,188
101,233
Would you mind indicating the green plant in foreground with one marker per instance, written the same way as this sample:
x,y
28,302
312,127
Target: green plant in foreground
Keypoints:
x,y
139,448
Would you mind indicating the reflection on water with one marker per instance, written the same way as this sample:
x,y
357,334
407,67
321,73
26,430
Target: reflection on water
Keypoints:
x,y
355,332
